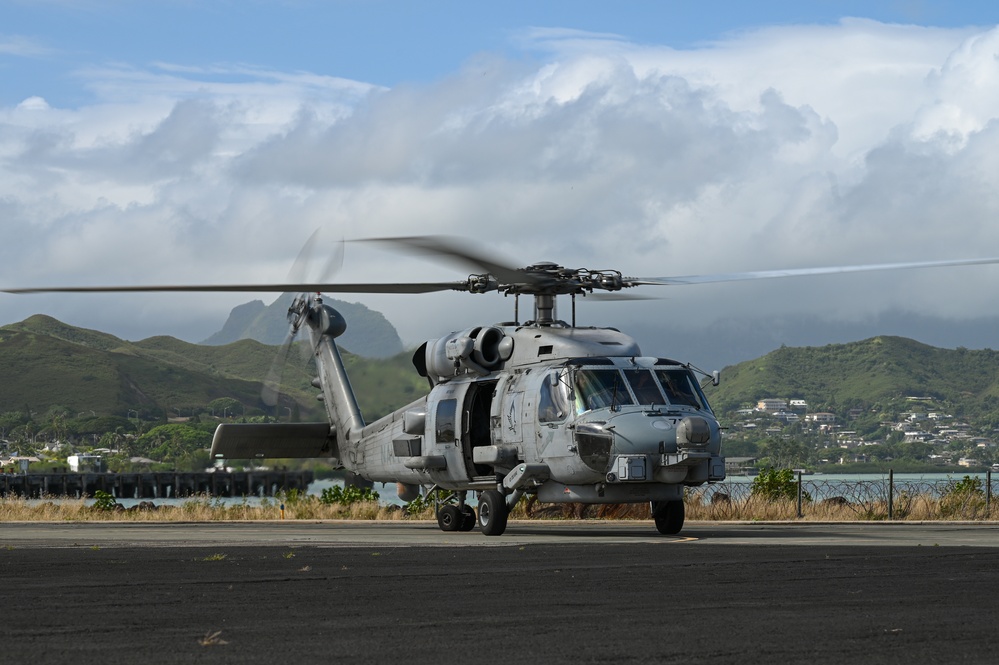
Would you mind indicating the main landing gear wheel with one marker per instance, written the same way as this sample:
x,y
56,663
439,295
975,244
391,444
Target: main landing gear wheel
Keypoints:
x,y
467,519
668,516
492,513
449,518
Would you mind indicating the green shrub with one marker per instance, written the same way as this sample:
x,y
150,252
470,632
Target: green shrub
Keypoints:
x,y
104,501
963,498
777,485
346,495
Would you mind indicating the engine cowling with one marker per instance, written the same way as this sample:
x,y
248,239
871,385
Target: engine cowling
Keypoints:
x,y
481,350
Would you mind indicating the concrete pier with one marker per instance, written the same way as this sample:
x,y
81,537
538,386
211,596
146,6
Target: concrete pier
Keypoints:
x,y
154,485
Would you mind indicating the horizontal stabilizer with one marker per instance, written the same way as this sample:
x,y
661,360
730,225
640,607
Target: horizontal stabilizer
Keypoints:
x,y
257,440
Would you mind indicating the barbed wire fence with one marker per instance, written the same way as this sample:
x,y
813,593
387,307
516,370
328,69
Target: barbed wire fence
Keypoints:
x,y
885,498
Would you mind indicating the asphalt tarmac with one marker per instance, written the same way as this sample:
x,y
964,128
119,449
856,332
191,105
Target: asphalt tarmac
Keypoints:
x,y
544,592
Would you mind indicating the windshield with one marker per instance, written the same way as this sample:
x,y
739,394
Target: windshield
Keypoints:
x,y
599,389
611,387
645,387
681,388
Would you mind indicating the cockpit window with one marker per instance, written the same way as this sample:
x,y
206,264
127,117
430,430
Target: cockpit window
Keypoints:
x,y
681,388
599,389
553,405
644,385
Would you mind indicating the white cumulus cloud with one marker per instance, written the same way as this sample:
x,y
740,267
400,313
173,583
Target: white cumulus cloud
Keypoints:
x,y
788,146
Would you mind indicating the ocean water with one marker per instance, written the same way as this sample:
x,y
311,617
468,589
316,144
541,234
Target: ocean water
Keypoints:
x,y
819,486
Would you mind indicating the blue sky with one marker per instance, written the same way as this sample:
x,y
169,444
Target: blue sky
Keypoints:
x,y
385,42
176,141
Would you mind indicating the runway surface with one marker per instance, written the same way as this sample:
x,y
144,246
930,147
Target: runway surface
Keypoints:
x,y
400,533
546,592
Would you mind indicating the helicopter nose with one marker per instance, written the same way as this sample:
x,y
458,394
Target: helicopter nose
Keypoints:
x,y
643,448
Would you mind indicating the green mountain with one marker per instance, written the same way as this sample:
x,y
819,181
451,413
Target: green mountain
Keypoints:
x,y
46,363
369,333
880,375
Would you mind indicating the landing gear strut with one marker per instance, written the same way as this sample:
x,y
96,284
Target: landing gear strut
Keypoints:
x,y
467,518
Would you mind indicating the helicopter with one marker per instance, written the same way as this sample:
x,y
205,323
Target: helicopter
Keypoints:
x,y
543,407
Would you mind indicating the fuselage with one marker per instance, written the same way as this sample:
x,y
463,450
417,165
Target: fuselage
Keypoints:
x,y
574,414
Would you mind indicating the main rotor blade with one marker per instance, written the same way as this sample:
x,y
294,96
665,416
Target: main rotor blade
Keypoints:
x,y
424,287
617,296
461,252
799,272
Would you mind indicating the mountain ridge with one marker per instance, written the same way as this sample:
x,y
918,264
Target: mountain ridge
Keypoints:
x,y
880,373
47,364
368,333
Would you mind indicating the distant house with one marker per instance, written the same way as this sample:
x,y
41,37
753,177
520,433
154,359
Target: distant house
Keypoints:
x,y
771,405
18,463
822,418
798,405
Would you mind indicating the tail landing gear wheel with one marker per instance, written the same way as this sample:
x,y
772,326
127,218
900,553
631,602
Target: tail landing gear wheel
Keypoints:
x,y
492,513
668,516
449,518
467,519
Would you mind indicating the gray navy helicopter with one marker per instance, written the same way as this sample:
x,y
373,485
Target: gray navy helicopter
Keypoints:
x,y
544,407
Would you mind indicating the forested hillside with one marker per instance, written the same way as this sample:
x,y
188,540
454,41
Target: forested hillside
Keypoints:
x,y
46,365
880,374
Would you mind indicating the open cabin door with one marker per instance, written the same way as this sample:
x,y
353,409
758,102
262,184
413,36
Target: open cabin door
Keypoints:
x,y
475,425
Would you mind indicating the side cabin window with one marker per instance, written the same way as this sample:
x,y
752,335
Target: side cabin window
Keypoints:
x,y
445,420
682,389
553,403
599,389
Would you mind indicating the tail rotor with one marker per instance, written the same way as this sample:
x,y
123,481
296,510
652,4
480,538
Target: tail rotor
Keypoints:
x,y
299,311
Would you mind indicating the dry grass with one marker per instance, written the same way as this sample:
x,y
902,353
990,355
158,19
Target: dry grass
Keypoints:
x,y
922,507
206,509
199,509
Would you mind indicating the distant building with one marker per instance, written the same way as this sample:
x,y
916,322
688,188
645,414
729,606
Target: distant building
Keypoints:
x,y
799,405
86,463
771,405
18,463
740,466
822,418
